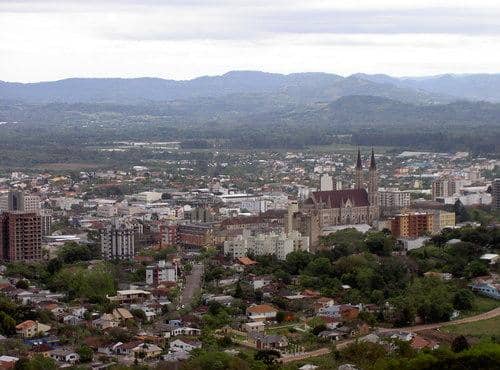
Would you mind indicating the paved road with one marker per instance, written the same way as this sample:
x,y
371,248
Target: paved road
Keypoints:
x,y
483,316
193,284
323,351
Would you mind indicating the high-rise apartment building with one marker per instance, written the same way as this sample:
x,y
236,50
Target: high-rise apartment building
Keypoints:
x,y
394,199
118,241
20,236
495,194
326,183
16,200
443,187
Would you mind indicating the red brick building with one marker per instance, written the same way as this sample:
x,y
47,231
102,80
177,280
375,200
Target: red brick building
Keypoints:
x,y
20,236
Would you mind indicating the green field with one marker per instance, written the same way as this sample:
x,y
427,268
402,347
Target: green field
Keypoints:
x,y
481,304
480,329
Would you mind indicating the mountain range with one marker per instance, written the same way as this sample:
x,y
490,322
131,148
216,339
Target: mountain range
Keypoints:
x,y
301,88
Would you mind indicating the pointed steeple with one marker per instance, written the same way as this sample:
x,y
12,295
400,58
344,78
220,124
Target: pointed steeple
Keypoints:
x,y
358,176
359,165
373,165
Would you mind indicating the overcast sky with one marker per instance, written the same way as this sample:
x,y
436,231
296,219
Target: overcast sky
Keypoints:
x,y
182,39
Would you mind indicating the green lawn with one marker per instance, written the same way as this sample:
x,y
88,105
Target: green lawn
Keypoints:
x,y
479,329
481,304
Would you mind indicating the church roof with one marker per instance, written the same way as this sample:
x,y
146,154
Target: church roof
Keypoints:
x,y
336,198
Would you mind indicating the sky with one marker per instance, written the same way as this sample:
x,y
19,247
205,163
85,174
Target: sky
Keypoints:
x,y
43,40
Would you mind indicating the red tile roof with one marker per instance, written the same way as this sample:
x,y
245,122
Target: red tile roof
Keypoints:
x,y
337,198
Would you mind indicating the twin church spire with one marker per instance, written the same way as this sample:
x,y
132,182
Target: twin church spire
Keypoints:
x,y
372,187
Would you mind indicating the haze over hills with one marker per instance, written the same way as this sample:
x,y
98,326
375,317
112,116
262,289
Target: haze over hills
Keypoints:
x,y
297,87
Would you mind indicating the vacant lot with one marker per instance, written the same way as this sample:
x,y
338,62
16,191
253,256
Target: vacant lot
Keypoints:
x,y
479,329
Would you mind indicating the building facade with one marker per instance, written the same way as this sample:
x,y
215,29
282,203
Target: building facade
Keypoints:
x,y
443,187
161,272
495,194
279,245
118,240
20,236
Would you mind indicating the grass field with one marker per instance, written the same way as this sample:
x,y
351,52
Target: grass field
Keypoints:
x,y
481,304
479,329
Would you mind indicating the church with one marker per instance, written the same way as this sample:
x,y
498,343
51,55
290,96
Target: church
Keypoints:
x,y
325,210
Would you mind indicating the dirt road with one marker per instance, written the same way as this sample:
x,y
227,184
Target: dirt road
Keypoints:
x,y
483,316
323,351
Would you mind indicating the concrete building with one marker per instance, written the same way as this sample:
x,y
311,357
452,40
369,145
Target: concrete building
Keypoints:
x,y
412,225
495,194
443,187
279,245
118,240
391,199
16,200
20,236
161,272
443,220
326,183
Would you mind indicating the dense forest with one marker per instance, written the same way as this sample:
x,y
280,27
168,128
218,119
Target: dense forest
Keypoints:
x,y
34,133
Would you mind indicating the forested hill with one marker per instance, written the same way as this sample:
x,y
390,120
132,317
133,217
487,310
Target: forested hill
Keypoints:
x,y
251,121
298,87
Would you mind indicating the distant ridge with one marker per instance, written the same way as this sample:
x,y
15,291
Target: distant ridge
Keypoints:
x,y
298,87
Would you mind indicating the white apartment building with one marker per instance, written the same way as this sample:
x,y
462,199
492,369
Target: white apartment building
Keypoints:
x,y
393,198
118,240
279,245
326,182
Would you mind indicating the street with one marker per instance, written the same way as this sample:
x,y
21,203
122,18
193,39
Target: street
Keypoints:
x,y
193,284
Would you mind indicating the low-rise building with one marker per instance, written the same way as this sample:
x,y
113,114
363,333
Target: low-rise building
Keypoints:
x,y
279,245
30,329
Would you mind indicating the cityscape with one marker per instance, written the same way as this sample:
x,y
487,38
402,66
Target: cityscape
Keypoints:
x,y
249,185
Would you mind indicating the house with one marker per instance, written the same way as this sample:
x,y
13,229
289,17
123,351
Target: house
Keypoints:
x,y
488,289
322,303
126,349
185,345
42,349
263,341
106,321
30,329
419,343
348,312
261,312
8,362
72,320
122,314
246,262
148,350
331,334
185,331
130,296
259,282
64,355
491,258
256,326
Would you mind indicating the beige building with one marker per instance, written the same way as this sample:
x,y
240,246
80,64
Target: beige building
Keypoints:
x,y
442,220
30,329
